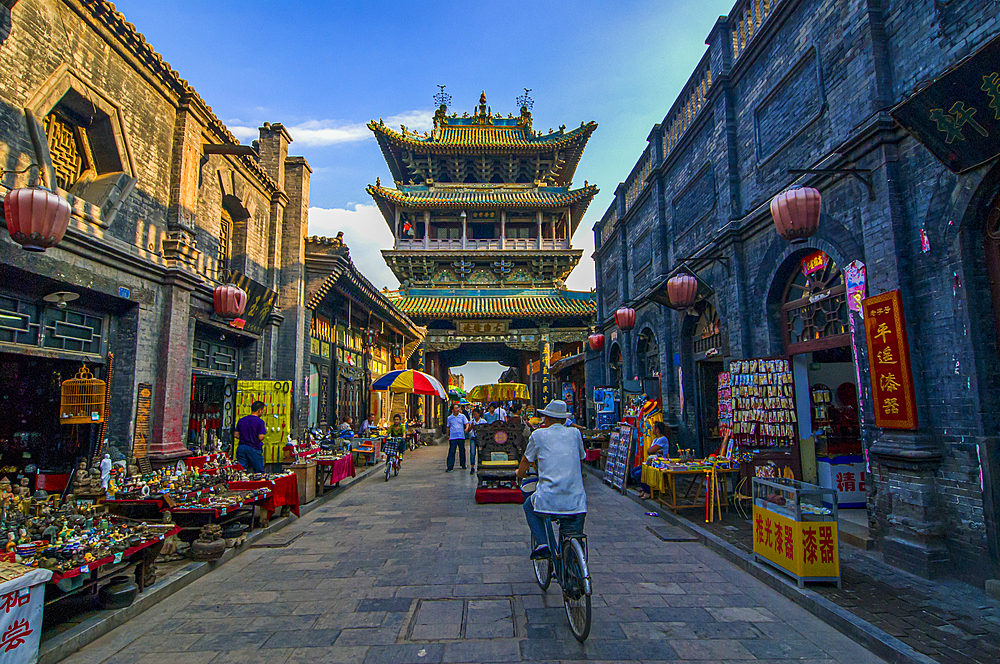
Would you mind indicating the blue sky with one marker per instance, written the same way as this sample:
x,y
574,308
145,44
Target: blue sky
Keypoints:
x,y
324,69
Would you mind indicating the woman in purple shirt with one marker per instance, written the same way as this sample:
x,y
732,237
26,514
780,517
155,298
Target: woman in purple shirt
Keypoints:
x,y
250,432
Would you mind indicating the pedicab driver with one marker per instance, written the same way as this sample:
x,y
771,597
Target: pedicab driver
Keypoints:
x,y
559,451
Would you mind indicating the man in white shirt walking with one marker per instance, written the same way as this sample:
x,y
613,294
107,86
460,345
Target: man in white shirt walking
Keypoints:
x,y
559,452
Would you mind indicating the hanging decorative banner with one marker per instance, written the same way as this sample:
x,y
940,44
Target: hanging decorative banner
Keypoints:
x,y
855,276
889,361
815,262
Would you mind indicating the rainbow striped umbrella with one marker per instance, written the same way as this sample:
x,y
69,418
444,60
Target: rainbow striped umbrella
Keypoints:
x,y
410,381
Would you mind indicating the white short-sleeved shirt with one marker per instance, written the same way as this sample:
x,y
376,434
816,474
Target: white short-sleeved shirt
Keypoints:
x,y
456,426
558,450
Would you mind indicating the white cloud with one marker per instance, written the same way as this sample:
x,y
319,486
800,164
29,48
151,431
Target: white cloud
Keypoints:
x,y
365,233
582,278
320,133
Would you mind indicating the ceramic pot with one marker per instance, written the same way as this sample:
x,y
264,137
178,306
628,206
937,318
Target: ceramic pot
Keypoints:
x,y
119,593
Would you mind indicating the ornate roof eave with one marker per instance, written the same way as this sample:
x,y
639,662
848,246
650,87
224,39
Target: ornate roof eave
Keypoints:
x,y
577,200
342,274
575,137
501,306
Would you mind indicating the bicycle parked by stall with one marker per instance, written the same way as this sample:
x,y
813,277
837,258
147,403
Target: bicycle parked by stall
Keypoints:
x,y
567,564
392,457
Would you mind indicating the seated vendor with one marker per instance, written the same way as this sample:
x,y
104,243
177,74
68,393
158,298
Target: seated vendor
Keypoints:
x,y
660,446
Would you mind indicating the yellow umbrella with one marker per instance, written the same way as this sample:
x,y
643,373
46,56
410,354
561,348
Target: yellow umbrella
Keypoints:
x,y
500,392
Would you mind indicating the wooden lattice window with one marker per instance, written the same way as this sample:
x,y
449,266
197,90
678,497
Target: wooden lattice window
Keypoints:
x,y
708,331
814,313
68,149
225,240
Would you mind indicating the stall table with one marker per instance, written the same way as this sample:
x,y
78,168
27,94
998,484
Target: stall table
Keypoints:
x,y
664,481
284,492
331,471
142,555
191,519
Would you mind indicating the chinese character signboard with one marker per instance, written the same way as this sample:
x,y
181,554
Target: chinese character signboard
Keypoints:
x,y
260,301
21,602
805,549
889,360
957,117
479,327
815,262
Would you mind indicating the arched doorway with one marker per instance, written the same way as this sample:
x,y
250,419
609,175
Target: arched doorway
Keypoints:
x,y
615,366
817,336
707,353
647,354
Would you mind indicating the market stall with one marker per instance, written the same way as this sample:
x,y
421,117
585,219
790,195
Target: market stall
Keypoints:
x,y
22,589
332,469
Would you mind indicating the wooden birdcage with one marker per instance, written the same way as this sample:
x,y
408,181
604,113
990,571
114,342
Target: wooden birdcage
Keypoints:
x,y
83,399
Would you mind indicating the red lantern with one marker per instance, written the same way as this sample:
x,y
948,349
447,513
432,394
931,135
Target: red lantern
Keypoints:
x,y
682,291
36,218
596,342
230,300
796,213
625,319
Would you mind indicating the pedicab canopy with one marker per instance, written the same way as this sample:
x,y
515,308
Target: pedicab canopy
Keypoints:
x,y
410,381
500,392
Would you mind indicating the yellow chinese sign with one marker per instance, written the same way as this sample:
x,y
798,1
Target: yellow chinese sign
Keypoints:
x,y
889,361
807,550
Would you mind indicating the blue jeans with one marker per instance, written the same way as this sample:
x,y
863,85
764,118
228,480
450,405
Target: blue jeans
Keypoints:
x,y
637,479
472,451
456,444
569,524
251,459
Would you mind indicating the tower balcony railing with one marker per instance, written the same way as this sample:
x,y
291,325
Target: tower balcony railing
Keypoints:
x,y
492,244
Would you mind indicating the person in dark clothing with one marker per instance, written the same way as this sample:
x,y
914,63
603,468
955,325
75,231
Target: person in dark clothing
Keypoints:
x,y
250,432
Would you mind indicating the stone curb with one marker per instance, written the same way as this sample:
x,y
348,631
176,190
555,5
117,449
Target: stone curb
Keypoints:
x,y
63,645
861,631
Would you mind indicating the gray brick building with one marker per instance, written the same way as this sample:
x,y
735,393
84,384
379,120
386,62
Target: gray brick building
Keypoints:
x,y
166,206
790,85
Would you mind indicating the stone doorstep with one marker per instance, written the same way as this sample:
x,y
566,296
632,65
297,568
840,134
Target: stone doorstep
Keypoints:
x,y
66,643
859,630
855,535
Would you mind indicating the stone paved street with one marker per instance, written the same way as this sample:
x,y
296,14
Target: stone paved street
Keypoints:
x,y
414,571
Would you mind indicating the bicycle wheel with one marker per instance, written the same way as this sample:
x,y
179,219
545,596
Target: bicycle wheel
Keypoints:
x,y
576,589
388,465
395,468
543,569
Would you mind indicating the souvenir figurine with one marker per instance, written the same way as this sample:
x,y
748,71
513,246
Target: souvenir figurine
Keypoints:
x,y
81,481
105,471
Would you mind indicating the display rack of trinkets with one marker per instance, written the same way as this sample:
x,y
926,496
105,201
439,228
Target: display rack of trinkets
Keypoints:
x,y
620,453
763,403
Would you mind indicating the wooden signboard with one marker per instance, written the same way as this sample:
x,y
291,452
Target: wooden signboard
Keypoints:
x,y
889,361
140,437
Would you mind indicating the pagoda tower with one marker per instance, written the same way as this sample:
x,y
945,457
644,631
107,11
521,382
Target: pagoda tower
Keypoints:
x,y
482,213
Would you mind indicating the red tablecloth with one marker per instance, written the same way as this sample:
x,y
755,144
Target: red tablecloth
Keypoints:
x,y
339,468
199,461
91,566
284,491
593,455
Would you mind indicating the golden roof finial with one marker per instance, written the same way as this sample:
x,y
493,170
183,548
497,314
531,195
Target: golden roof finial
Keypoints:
x,y
482,97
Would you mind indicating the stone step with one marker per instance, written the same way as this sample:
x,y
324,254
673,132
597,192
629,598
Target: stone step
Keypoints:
x,y
856,535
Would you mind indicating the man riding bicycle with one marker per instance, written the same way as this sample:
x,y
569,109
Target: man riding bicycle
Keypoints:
x,y
559,452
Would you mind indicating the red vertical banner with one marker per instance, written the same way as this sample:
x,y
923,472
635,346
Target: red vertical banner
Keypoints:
x,y
889,360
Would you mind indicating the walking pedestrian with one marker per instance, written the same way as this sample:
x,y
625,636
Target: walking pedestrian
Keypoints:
x,y
458,424
250,432
477,418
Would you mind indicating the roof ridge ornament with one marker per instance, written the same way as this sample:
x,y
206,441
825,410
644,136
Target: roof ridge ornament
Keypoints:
x,y
525,102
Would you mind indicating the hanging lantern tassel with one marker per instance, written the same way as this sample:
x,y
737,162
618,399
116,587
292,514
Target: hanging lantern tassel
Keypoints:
x,y
795,213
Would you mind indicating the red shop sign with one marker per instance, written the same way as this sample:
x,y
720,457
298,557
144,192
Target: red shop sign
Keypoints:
x,y
815,262
889,361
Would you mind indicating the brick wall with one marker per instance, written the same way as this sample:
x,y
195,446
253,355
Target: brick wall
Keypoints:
x,y
808,92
